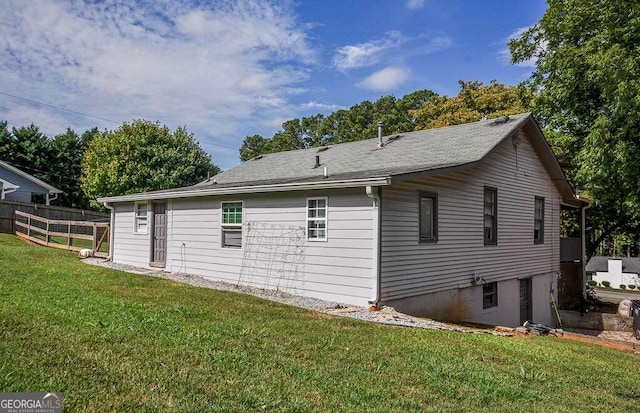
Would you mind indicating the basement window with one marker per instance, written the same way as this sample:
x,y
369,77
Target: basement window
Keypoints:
x,y
140,218
231,224
490,295
317,219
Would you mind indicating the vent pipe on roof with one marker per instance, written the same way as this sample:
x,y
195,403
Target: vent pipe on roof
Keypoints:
x,y
317,161
380,144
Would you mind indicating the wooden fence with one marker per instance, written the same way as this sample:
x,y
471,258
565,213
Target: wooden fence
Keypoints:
x,y
8,209
64,234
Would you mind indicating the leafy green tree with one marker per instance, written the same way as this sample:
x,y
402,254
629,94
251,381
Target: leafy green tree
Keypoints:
x,y
587,69
253,146
142,156
474,102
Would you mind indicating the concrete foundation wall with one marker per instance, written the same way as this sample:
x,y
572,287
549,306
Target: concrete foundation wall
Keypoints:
x,y
465,304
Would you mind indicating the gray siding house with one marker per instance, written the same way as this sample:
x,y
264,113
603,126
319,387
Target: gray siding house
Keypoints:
x,y
17,185
458,223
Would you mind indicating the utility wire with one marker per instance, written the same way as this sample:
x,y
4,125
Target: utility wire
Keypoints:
x,y
58,107
91,116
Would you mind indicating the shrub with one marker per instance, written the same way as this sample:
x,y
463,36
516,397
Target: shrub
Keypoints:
x,y
623,287
632,286
592,283
606,284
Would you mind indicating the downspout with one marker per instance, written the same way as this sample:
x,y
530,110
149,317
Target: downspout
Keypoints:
x,y
583,245
372,192
111,231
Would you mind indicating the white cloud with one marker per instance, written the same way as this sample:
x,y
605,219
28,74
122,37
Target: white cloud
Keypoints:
x,y
504,55
437,44
386,79
313,105
210,68
414,4
366,54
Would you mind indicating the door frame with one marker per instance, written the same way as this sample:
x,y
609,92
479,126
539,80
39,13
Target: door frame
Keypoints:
x,y
152,263
526,303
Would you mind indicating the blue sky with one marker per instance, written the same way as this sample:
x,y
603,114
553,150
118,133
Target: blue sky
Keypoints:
x,y
227,69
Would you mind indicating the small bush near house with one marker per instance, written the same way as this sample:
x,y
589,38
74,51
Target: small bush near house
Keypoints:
x,y
592,283
632,286
606,284
623,287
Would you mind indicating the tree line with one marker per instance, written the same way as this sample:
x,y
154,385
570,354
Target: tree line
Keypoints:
x,y
137,157
418,110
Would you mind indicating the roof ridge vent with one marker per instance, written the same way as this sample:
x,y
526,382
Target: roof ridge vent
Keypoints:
x,y
498,121
324,148
255,158
394,138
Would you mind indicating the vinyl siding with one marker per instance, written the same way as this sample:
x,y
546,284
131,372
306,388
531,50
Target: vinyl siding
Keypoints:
x,y
338,269
129,247
26,187
410,268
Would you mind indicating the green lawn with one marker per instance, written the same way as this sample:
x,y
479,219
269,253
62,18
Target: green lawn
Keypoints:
x,y
113,341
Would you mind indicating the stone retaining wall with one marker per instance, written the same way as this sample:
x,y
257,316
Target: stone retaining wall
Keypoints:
x,y
596,321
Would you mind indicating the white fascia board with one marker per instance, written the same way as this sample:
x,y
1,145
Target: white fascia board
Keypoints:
x,y
145,196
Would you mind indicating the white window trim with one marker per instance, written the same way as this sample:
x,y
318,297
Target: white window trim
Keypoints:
x,y
223,225
325,219
136,218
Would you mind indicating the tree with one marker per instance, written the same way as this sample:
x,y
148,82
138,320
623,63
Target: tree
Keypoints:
x,y
142,156
345,125
474,102
253,146
587,71
67,150
31,151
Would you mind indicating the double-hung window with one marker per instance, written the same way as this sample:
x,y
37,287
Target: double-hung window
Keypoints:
x,y
490,295
428,217
317,219
231,224
538,221
490,216
140,218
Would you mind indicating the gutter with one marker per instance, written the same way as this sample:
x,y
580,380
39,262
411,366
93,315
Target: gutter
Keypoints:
x,y
111,231
372,192
298,186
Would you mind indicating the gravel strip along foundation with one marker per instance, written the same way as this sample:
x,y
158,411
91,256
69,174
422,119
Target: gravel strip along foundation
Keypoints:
x,y
385,315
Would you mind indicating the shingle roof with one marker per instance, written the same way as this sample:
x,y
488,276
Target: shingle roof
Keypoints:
x,y
404,156
600,263
408,153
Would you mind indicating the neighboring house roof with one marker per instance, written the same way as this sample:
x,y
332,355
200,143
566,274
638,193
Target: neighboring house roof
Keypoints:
x,y
403,157
599,263
31,178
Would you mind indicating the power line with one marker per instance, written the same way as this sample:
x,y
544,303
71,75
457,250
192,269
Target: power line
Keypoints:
x,y
91,116
58,107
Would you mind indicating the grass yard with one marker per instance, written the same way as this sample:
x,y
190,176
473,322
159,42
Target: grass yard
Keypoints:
x,y
113,341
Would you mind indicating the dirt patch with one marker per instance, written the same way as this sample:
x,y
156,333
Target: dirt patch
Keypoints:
x,y
618,340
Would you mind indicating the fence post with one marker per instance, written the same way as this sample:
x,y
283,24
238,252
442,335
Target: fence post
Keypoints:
x,y
29,226
95,238
46,235
68,235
